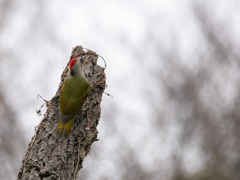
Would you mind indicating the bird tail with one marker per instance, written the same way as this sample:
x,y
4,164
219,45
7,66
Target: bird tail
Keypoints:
x,y
63,129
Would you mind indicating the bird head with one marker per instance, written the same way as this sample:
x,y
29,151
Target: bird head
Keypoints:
x,y
75,66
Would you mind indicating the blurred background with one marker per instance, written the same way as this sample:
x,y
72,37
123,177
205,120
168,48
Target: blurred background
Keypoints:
x,y
173,70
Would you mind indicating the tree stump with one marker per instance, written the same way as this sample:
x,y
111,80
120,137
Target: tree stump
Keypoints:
x,y
48,158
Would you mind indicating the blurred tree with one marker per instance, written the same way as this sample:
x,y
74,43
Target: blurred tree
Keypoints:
x,y
16,44
12,142
202,97
192,129
193,103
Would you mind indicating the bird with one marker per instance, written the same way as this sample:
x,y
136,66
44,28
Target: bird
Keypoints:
x,y
73,94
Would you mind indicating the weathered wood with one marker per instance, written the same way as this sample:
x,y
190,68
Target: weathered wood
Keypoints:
x,y
47,158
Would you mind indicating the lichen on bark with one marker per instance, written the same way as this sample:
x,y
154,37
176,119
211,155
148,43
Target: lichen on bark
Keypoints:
x,y
46,157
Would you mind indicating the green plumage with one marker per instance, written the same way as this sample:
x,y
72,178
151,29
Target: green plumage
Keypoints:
x,y
73,95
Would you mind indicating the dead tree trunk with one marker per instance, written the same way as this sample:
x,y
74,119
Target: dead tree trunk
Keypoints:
x,y
47,158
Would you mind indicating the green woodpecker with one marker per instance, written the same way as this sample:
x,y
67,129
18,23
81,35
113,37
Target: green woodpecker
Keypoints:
x,y
73,95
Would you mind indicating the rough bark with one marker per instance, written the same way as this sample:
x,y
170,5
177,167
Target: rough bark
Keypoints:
x,y
47,158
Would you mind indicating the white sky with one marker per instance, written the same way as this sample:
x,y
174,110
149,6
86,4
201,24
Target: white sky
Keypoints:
x,y
93,24
104,27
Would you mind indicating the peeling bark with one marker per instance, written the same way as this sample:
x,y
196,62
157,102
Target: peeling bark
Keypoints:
x,y
47,158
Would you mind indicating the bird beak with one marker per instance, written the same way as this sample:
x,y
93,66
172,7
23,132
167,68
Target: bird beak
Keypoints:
x,y
82,61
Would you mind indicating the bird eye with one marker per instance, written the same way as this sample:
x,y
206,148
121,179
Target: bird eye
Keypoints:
x,y
82,59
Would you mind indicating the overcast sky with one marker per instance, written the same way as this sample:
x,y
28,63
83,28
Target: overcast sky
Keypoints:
x,y
40,36
107,27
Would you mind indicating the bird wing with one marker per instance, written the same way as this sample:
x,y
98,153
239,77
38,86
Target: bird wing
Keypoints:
x,y
72,97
